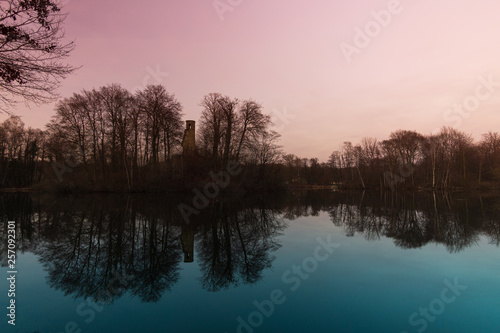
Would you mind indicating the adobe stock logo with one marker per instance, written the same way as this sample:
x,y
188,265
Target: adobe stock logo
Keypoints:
x,y
156,74
281,119
421,319
211,190
484,90
224,6
364,37
292,278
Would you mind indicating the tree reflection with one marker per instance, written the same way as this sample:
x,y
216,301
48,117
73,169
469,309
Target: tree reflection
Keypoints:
x,y
104,247
414,221
97,247
236,244
411,219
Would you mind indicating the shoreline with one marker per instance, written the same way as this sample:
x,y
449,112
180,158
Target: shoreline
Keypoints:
x,y
256,190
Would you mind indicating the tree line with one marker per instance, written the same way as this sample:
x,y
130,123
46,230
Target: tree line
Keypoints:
x,y
111,139
449,159
107,138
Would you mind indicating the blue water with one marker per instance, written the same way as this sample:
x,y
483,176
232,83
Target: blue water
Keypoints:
x,y
362,286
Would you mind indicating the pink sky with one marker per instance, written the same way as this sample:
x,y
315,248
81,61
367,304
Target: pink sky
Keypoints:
x,y
287,55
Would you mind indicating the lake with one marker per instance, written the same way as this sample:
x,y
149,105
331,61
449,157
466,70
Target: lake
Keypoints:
x,y
313,261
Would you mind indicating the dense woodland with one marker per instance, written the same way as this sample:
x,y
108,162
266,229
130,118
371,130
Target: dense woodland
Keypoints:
x,y
109,139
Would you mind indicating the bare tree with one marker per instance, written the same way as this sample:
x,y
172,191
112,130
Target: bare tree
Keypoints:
x,y
20,150
407,144
211,127
489,152
252,123
455,146
431,148
162,119
32,48
348,158
228,106
370,151
117,103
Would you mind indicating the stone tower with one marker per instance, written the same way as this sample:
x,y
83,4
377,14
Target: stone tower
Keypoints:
x,y
188,142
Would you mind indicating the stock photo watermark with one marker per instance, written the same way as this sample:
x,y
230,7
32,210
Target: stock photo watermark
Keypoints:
x,y
156,74
292,279
67,166
393,179
420,319
88,309
12,272
484,90
211,190
364,36
223,6
281,119
407,170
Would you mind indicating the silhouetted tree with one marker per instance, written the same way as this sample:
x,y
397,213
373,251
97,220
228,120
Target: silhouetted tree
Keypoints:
x,y
20,150
32,48
162,121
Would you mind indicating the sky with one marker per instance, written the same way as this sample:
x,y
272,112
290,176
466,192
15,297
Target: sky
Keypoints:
x,y
327,71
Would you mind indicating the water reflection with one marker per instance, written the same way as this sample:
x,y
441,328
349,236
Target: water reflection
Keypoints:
x,y
412,220
137,244
235,245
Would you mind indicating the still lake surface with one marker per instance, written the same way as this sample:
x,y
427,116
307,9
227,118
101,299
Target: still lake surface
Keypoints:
x,y
315,261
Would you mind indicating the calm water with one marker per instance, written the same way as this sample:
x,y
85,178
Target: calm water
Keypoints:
x,y
308,262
